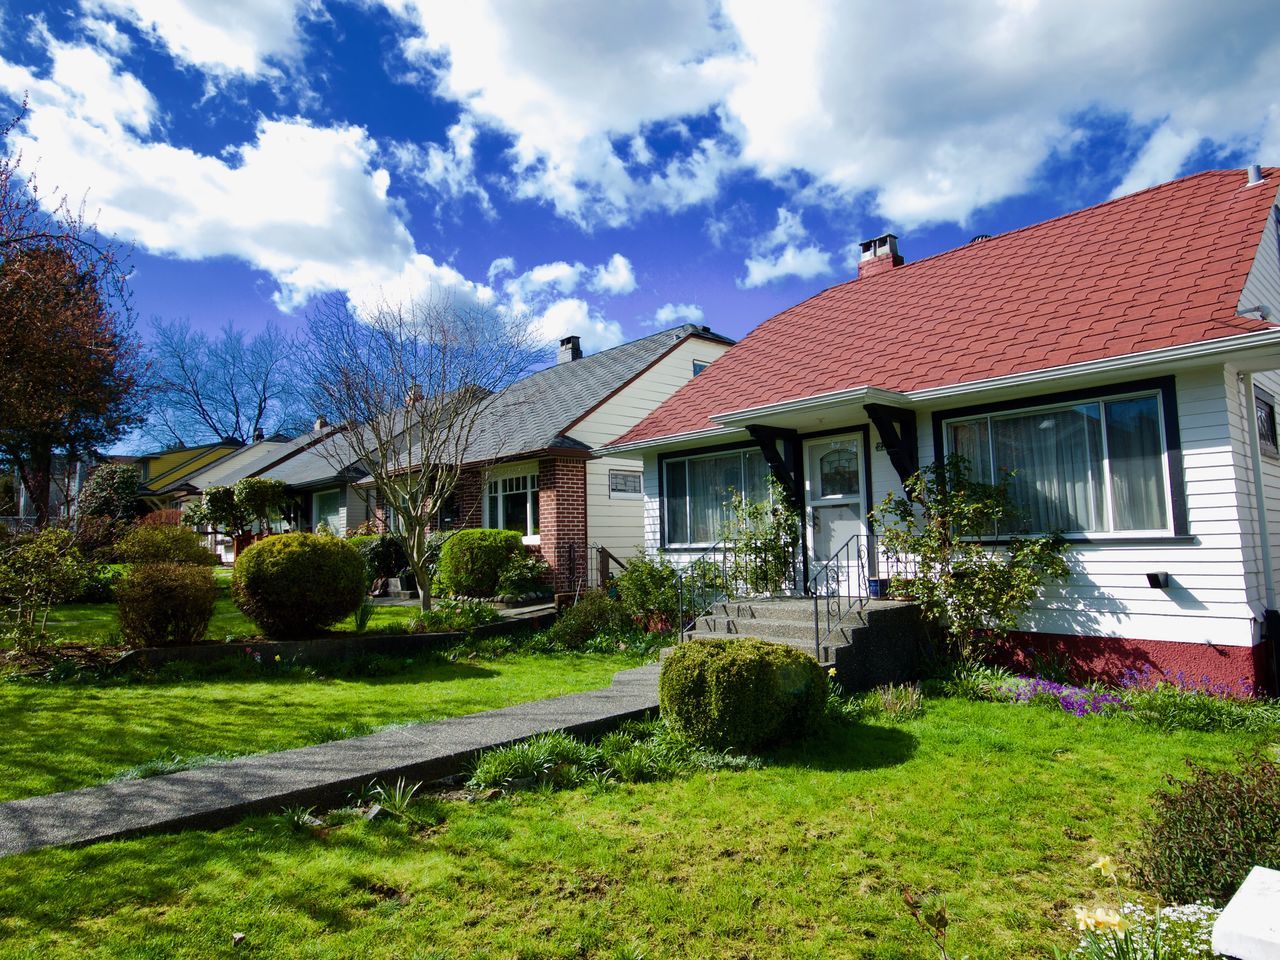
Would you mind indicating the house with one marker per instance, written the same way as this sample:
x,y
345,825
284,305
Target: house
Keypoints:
x,y
67,477
163,472
1121,361
320,472
530,467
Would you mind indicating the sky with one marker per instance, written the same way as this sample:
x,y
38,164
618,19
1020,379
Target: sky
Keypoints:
x,y
613,168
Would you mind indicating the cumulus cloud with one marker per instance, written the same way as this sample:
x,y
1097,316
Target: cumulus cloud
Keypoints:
x,y
670,314
615,277
785,251
305,203
575,317
446,169
224,39
930,118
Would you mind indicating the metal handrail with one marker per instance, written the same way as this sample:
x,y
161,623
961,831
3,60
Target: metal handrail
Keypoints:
x,y
698,566
844,576
724,570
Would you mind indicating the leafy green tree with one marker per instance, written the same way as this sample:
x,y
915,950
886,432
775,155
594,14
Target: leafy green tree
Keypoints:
x,y
35,573
111,492
973,577
234,511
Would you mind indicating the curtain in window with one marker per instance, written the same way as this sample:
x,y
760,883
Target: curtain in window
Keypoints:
x,y
756,481
1137,469
1056,461
712,481
676,508
969,439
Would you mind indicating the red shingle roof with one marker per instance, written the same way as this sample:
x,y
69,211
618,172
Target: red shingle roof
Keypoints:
x,y
1160,268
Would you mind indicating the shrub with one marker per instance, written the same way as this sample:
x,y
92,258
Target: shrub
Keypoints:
x,y
449,616
146,544
168,517
37,571
295,584
382,553
112,492
99,585
595,614
647,591
740,694
526,572
471,561
1208,831
1171,707
165,604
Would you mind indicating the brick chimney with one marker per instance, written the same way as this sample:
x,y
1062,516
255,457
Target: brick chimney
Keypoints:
x,y
570,350
878,255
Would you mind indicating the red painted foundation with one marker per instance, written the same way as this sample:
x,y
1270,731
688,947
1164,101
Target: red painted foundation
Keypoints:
x,y
1112,659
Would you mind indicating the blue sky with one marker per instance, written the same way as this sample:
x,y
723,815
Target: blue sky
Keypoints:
x,y
607,169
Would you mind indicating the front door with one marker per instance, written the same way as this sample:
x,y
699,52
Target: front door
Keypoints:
x,y
835,511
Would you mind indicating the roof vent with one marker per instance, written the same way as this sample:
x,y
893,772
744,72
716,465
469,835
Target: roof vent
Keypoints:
x,y
980,237
570,350
259,435
1255,174
321,422
878,255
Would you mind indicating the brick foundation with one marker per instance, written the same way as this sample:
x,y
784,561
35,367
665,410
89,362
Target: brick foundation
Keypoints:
x,y
1108,659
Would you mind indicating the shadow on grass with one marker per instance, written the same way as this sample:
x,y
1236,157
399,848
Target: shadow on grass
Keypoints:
x,y
853,746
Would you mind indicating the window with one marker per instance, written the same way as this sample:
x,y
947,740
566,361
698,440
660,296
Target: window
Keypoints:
x,y
700,365
1092,467
1264,408
512,504
696,492
626,485
326,508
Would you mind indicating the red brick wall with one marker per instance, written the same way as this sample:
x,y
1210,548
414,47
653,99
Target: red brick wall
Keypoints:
x,y
562,508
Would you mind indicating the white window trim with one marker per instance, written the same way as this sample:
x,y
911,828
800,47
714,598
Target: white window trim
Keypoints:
x,y
529,539
1101,400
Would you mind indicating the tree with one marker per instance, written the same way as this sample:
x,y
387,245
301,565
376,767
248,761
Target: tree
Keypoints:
x,y
234,511
409,384
973,577
111,492
71,372
228,385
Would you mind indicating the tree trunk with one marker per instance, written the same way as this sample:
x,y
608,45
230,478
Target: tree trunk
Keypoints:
x,y
35,469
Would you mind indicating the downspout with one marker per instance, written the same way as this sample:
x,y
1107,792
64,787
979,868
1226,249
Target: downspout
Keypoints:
x,y
1271,620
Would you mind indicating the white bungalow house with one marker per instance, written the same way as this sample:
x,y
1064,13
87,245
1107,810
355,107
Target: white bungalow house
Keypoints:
x,y
1121,361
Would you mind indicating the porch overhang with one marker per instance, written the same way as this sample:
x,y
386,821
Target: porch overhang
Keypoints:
x,y
801,413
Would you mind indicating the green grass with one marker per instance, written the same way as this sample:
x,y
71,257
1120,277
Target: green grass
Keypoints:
x,y
1001,808
63,736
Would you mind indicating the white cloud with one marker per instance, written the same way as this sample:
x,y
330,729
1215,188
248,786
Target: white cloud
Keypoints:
x,y
307,204
574,317
670,314
448,170
107,35
785,251
930,117
615,277
223,39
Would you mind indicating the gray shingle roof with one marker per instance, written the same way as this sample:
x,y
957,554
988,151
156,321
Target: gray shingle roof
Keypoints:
x,y
533,414
329,460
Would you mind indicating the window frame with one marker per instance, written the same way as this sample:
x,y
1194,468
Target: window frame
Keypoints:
x,y
706,453
1267,446
624,494
1165,390
699,365
530,535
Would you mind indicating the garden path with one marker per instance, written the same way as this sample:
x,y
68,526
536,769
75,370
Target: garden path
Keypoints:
x,y
222,793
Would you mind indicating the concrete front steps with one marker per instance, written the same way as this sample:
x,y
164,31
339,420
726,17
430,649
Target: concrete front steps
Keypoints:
x,y
880,642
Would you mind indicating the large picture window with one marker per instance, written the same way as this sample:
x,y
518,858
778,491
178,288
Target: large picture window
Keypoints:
x,y
512,504
1094,467
696,492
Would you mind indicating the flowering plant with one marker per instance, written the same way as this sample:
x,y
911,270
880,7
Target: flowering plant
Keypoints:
x,y
1135,933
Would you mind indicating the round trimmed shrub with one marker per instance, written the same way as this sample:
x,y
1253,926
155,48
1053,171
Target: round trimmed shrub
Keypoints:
x,y
472,561
740,694
165,544
296,584
165,604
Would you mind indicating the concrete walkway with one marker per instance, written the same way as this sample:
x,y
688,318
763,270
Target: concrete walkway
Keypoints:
x,y
222,793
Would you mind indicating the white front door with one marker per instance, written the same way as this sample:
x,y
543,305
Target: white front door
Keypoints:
x,y
835,508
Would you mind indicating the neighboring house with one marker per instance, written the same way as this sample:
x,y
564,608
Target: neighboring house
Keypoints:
x,y
320,472
1119,361
531,469
67,476
164,472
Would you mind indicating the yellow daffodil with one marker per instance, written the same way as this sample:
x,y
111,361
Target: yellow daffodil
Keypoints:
x,y
1100,918
831,671
1106,866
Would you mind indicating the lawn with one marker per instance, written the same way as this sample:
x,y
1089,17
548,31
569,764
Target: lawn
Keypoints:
x,y
96,622
1000,807
63,736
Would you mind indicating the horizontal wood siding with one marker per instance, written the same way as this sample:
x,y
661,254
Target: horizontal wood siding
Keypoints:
x,y
613,523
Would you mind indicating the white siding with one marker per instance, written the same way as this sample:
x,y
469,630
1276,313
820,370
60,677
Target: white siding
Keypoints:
x,y
1107,593
619,524
1262,287
1241,407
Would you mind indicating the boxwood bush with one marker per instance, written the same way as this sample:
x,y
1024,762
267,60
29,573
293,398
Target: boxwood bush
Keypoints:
x,y
740,694
472,561
295,584
165,604
165,544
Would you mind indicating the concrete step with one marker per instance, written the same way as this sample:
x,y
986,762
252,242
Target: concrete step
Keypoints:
x,y
798,629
